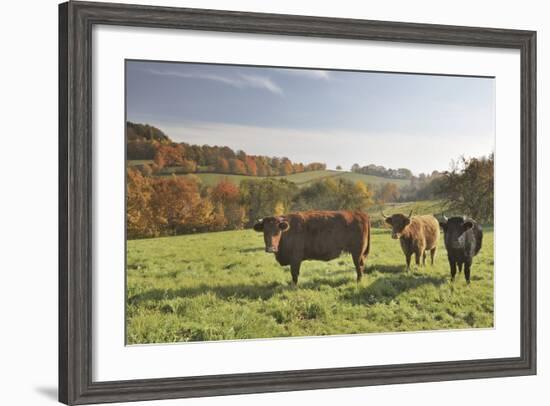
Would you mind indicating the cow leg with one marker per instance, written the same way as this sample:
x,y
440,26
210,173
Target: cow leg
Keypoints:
x,y
417,255
467,266
423,258
295,271
452,264
408,259
460,266
432,254
359,262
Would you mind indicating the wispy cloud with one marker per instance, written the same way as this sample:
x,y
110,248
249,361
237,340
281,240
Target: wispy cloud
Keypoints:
x,y
308,73
239,81
261,82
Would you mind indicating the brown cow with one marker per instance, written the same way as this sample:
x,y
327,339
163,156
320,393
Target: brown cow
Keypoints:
x,y
319,235
416,234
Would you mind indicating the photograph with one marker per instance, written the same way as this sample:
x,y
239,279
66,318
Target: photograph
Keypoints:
x,y
267,202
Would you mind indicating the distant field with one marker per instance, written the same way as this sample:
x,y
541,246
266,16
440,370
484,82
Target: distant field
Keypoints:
x,y
370,178
136,162
221,286
301,179
434,207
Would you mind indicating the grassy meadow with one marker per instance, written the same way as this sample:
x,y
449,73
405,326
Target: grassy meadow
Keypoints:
x,y
303,178
223,286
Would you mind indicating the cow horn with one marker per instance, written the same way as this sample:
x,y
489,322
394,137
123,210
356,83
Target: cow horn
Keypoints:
x,y
445,218
411,213
383,215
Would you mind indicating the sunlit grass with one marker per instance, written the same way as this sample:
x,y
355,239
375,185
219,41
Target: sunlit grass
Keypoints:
x,y
220,286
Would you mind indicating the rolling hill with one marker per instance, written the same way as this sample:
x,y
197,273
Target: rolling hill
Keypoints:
x,y
301,179
304,178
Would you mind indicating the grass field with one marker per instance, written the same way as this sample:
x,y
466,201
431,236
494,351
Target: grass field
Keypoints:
x,y
304,178
135,162
222,286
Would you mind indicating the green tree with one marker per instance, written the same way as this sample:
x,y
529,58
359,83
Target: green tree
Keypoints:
x,y
331,194
469,188
266,197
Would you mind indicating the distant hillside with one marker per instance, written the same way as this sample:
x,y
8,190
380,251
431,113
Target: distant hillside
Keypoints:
x,y
301,179
151,151
144,132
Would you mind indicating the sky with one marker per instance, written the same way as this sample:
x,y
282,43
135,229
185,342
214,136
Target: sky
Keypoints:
x,y
419,122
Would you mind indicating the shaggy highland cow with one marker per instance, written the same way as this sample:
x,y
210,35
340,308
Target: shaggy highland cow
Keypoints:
x,y
416,234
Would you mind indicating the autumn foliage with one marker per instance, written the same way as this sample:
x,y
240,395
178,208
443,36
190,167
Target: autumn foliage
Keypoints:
x,y
145,142
173,205
165,206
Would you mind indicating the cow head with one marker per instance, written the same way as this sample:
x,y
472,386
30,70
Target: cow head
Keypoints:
x,y
273,229
398,223
454,229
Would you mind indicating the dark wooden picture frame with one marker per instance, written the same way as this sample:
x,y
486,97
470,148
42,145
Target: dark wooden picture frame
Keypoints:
x,y
76,20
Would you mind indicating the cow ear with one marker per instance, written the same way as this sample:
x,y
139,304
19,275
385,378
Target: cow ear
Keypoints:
x,y
407,221
388,220
259,226
284,226
443,225
467,225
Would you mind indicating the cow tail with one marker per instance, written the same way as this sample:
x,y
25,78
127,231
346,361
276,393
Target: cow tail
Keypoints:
x,y
479,238
367,250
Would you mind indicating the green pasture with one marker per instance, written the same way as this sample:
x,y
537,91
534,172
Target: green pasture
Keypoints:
x,y
223,286
301,179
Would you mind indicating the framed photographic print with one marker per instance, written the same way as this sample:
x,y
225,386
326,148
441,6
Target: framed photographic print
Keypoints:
x,y
257,202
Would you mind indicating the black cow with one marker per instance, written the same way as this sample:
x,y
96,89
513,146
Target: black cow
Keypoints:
x,y
463,238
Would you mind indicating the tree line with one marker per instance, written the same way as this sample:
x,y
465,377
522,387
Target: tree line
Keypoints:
x,y
379,170
146,142
165,206
162,206
172,205
467,188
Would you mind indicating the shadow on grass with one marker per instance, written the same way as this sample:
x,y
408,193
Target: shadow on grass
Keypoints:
x,y
253,249
316,283
243,291
388,288
223,292
385,269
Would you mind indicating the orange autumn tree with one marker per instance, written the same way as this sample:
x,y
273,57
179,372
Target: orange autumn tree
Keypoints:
x,y
251,167
169,155
389,192
177,206
222,166
139,218
237,166
226,199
